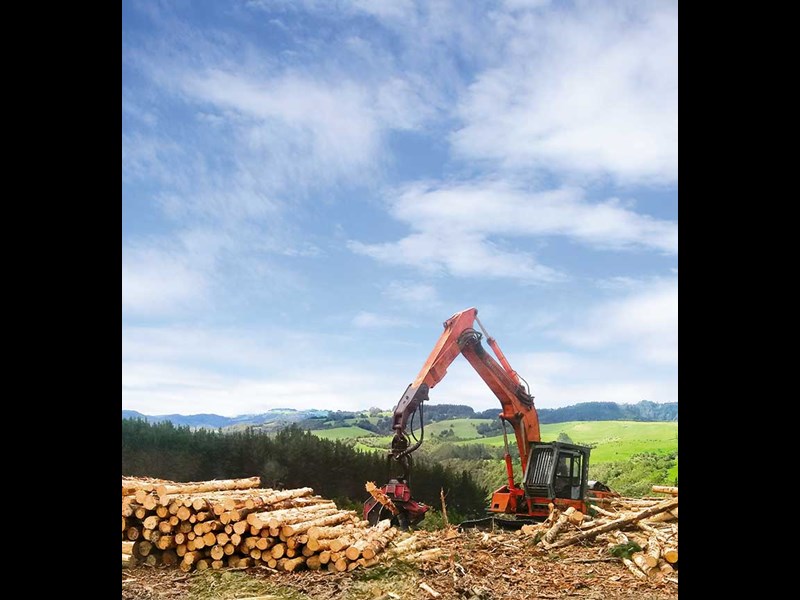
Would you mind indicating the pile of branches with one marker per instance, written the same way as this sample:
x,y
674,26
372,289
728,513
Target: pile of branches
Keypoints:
x,y
642,532
236,523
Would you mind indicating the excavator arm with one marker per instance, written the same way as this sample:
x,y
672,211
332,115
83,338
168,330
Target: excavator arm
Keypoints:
x,y
459,337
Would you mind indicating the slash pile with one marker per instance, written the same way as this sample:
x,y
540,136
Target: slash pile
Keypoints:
x,y
642,532
236,523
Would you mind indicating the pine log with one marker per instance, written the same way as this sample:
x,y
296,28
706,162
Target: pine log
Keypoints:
x,y
633,568
132,533
151,522
670,554
207,486
164,542
604,512
203,564
653,550
318,545
313,562
367,562
340,565
341,543
560,523
665,489
376,493
127,547
575,517
378,544
293,563
664,567
278,550
617,524
671,515
142,548
302,527
288,516
644,561
335,531
278,518
151,560
425,555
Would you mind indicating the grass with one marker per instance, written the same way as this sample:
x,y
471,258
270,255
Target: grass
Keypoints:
x,y
615,440
612,440
342,433
466,429
224,585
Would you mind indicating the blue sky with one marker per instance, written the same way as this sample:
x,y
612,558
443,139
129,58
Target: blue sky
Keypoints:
x,y
310,188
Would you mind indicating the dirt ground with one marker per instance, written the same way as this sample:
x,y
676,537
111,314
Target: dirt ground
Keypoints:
x,y
472,566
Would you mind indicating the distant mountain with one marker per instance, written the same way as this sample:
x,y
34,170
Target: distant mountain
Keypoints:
x,y
280,417
277,416
604,411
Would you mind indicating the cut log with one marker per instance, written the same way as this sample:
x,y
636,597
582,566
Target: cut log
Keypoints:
x,y
644,561
560,523
671,515
292,564
634,569
341,543
376,493
665,489
670,554
142,548
664,567
653,550
207,486
128,560
335,531
302,527
616,524
377,545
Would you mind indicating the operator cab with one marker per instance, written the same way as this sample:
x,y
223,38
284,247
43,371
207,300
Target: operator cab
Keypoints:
x,y
557,470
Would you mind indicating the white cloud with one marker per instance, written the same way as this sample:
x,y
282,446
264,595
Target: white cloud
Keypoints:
x,y
591,91
454,225
161,281
457,253
644,320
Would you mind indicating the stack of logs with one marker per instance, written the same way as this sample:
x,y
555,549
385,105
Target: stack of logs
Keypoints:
x,y
652,523
236,523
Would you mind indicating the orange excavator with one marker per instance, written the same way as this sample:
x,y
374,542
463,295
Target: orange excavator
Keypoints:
x,y
554,472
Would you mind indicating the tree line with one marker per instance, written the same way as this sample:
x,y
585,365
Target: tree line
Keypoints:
x,y
290,458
